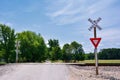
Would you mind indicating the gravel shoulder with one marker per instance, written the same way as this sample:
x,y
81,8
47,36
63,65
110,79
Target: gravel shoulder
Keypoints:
x,y
8,68
88,73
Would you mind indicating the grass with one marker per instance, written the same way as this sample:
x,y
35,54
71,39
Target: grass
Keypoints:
x,y
103,62
100,61
90,61
57,61
2,63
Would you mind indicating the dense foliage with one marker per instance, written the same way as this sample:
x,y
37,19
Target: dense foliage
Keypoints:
x,y
89,56
54,50
33,48
73,51
110,53
7,42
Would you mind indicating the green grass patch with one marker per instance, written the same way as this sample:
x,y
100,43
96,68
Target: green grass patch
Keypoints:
x,y
109,61
2,63
57,61
100,61
90,61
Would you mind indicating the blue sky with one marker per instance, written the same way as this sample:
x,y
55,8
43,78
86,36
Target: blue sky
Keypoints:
x,y
65,20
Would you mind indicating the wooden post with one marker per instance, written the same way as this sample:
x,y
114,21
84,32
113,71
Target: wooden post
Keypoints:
x,y
95,35
95,51
96,60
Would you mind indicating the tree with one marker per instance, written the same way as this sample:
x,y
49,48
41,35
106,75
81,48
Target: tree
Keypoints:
x,y
54,50
90,56
66,53
32,47
53,43
2,53
7,43
55,53
80,55
110,53
77,50
73,51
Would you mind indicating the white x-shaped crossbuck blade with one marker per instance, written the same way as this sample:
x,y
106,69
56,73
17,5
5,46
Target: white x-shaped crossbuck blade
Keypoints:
x,y
94,23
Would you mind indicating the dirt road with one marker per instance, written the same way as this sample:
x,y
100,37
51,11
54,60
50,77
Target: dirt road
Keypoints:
x,y
36,71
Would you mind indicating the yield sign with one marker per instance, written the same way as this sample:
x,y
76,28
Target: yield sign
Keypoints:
x,y
95,41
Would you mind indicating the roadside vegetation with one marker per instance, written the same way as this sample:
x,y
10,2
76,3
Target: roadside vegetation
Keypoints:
x,y
34,49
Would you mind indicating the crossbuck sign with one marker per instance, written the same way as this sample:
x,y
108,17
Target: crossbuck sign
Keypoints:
x,y
94,24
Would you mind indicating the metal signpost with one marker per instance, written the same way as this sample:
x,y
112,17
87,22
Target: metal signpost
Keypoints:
x,y
95,41
17,45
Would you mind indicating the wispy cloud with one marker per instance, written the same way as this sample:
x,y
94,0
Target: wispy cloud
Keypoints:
x,y
110,34
99,6
74,11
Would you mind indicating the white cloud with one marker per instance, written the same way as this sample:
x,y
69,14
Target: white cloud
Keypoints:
x,y
98,6
73,11
60,12
110,34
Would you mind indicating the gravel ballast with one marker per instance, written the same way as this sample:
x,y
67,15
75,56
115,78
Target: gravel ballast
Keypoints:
x,y
88,73
5,69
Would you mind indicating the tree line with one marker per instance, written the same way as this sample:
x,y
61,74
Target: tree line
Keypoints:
x,y
34,49
109,53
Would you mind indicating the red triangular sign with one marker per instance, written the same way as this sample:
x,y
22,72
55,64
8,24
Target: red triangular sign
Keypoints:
x,y
95,41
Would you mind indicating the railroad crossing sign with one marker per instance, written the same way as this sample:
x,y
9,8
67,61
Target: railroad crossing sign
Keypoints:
x,y
94,24
95,40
